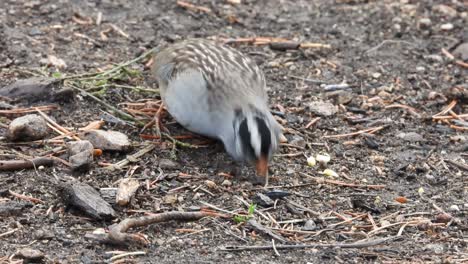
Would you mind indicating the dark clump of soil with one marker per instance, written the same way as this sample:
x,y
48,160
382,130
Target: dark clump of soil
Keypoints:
x,y
373,100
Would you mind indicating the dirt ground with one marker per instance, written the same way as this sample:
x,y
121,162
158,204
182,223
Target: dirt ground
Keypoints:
x,y
390,54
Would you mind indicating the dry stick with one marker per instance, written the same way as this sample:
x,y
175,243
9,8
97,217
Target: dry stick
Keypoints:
x,y
24,197
410,109
6,165
194,7
463,116
447,109
457,164
133,157
19,111
340,183
52,122
359,244
311,123
108,106
117,233
461,63
369,131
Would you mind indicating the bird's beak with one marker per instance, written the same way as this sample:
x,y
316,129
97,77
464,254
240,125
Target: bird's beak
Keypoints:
x,y
262,166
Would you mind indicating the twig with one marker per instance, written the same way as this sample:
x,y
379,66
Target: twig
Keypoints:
x,y
359,244
410,109
20,111
195,8
108,106
24,197
447,109
312,122
340,183
389,41
458,164
52,122
369,131
123,255
117,233
6,165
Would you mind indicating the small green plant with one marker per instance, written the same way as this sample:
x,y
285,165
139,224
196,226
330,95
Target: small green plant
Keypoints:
x,y
245,218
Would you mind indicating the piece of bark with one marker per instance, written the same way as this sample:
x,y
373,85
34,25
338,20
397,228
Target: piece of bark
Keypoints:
x,y
127,189
88,200
37,89
13,208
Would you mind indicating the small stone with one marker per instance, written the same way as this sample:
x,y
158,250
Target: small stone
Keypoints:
x,y
80,154
309,225
420,69
436,248
322,108
168,164
108,140
376,75
28,127
411,137
435,58
443,218
226,183
454,208
196,196
30,255
35,32
210,184
263,200
461,51
298,141
170,199
424,23
447,26
445,10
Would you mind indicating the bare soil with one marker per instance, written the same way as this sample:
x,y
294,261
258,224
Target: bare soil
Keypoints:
x,y
381,49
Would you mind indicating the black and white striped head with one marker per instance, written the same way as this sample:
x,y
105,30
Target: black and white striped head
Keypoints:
x,y
256,138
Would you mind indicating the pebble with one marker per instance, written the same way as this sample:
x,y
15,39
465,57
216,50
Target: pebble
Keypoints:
x,y
108,140
210,184
80,154
420,69
376,75
436,248
447,26
168,164
31,255
322,108
435,58
28,127
310,225
411,137
424,23
445,10
298,141
461,51
454,208
226,183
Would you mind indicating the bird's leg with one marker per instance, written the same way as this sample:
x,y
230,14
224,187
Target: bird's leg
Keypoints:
x,y
156,122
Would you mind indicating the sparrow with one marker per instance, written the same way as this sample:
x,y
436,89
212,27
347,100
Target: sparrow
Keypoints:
x,y
216,91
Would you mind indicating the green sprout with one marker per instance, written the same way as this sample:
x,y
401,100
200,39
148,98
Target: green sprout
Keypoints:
x,y
244,218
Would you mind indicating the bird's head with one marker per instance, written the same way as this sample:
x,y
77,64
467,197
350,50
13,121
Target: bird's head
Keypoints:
x,y
256,138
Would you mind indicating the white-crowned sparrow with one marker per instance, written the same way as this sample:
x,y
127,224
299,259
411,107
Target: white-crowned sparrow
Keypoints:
x,y
216,91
